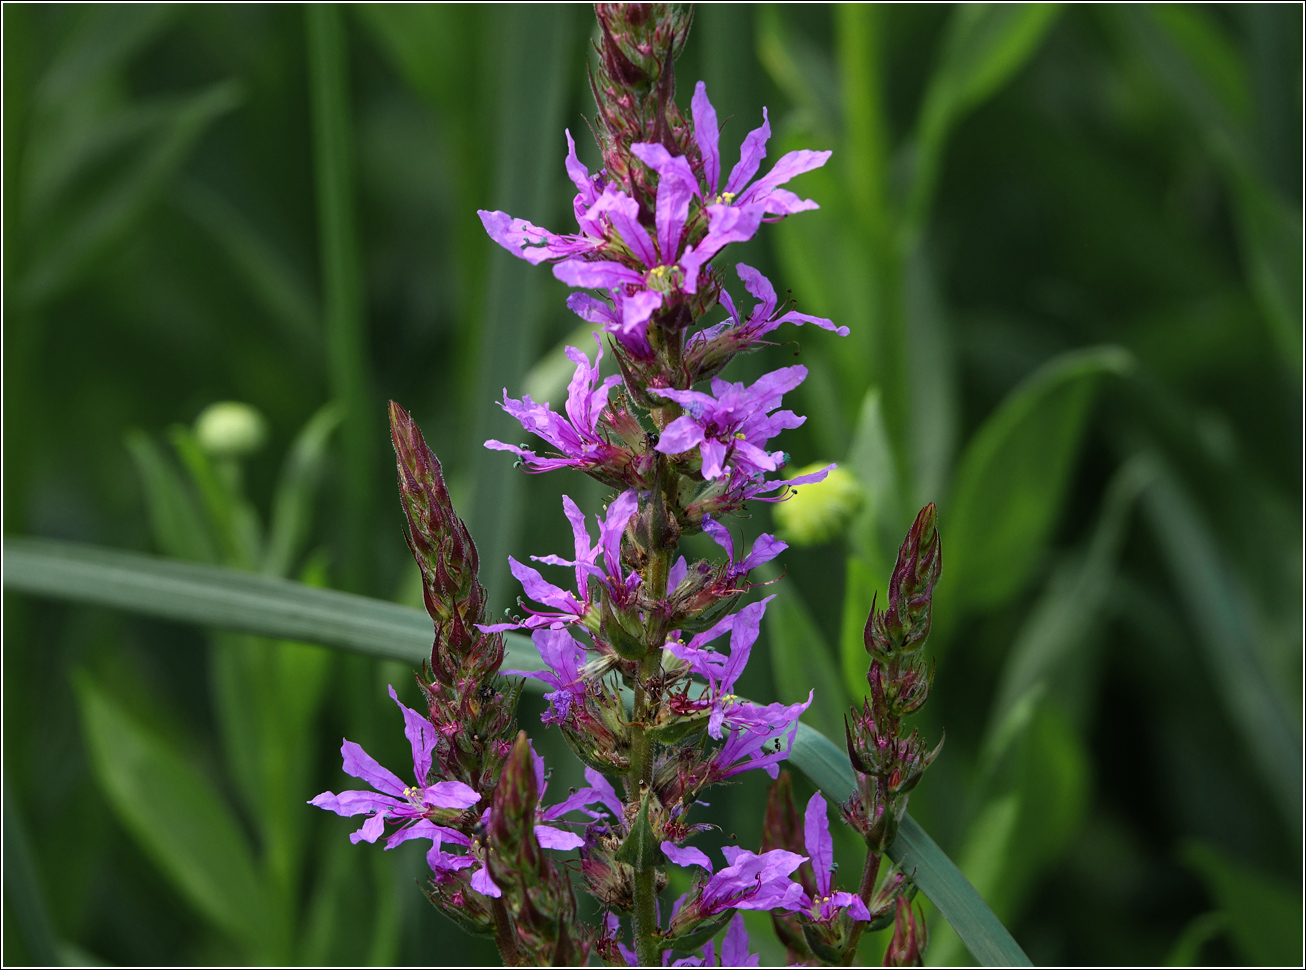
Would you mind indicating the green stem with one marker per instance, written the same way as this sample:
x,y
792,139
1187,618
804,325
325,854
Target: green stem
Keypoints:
x,y
503,934
870,872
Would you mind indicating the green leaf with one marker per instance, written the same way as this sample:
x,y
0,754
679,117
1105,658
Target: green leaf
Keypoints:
x,y
860,588
213,596
1011,481
640,847
1228,631
177,817
985,47
1264,915
231,517
348,360
1187,950
292,508
23,893
801,661
179,529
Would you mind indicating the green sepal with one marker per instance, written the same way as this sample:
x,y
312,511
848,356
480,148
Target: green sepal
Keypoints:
x,y
691,941
640,849
827,951
678,729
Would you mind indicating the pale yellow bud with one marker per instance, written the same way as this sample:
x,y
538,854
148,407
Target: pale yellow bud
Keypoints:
x,y
818,512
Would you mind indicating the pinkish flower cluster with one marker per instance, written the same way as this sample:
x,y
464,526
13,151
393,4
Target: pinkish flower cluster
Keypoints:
x,y
644,653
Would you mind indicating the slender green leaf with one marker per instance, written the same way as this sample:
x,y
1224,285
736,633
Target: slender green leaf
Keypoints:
x,y
1011,481
213,596
342,300
1228,630
177,816
1187,950
1264,914
293,506
23,894
179,529
862,583
918,856
985,47
801,661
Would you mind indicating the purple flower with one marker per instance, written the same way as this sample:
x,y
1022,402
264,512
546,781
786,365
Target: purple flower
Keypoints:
x,y
564,657
578,607
747,750
762,320
733,422
574,436
734,949
740,487
722,672
765,548
827,904
750,881
393,801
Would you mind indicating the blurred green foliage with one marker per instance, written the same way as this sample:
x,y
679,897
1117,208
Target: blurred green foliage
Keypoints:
x,y
1068,244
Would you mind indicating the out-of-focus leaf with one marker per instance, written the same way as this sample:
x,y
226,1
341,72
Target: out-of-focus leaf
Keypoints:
x,y
1187,950
547,381
870,459
1264,915
532,52
800,70
1012,478
103,41
179,529
231,517
1227,629
801,661
292,508
933,409
985,47
75,246
178,818
348,357
861,584
23,894
272,281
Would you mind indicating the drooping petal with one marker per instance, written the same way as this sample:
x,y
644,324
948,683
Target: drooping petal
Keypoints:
x,y
816,836
483,884
550,838
421,738
372,830
686,856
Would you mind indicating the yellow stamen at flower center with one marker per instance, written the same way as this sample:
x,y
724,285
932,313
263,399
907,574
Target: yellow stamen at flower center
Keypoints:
x,y
728,699
724,198
739,435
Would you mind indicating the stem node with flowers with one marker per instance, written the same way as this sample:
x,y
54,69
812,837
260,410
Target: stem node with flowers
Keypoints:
x,y
642,621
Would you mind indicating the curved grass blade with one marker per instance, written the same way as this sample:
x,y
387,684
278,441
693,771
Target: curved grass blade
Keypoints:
x,y
272,607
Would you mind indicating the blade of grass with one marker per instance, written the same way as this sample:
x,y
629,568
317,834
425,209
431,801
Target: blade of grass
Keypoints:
x,y
347,357
23,889
247,602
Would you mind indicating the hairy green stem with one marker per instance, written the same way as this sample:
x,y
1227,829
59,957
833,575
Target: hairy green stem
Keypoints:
x,y
504,935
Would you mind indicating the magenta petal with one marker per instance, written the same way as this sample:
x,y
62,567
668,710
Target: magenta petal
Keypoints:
x,y
550,838
360,764
450,794
734,948
421,738
599,274
720,535
483,884
680,436
816,835
751,154
707,134
372,830
349,803
714,456
686,856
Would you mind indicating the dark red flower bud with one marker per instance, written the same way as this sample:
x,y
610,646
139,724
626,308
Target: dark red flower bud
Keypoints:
x,y
904,626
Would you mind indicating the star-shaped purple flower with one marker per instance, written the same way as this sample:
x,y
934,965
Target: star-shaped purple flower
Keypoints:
x,y
578,607
751,880
575,436
733,423
765,548
826,904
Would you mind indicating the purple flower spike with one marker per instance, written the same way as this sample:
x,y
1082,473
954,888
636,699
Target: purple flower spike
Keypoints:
x,y
410,806
574,436
733,423
827,904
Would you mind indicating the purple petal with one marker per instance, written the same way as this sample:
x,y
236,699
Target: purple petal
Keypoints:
x,y
578,173
792,164
686,856
619,512
714,456
360,764
635,310
765,548
450,794
720,535
734,948
707,134
761,289
550,838
676,575
601,274
816,835
349,803
588,308
679,436
849,901
372,830
483,884
421,738
751,154
623,212
534,586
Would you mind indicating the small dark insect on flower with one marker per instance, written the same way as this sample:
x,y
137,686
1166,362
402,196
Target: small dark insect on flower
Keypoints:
x,y
485,692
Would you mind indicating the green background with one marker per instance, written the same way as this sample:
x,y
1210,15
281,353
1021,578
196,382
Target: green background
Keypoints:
x,y
1067,241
